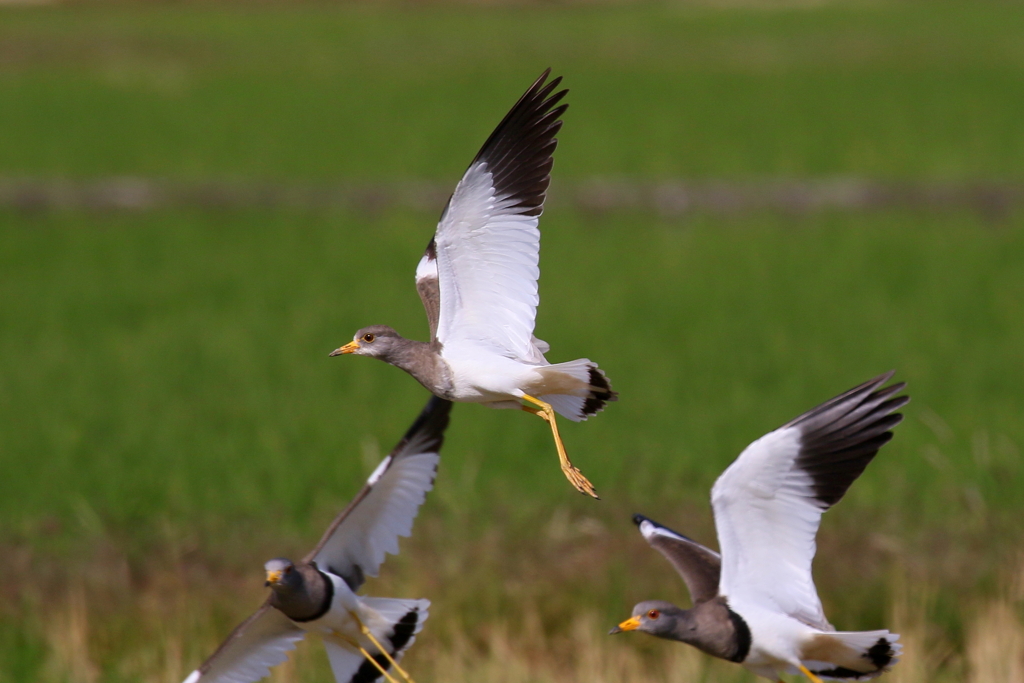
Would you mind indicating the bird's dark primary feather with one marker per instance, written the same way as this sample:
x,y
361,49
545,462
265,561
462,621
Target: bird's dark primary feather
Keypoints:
x,y
519,152
841,436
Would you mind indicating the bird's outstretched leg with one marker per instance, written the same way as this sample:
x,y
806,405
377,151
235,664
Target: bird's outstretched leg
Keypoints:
x,y
806,672
402,672
571,472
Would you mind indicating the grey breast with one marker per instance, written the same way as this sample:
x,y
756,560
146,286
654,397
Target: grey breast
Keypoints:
x,y
426,366
710,626
719,631
307,598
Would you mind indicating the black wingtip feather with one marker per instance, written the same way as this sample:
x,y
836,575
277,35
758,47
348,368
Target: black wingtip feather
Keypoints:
x,y
864,388
427,432
841,436
639,519
519,152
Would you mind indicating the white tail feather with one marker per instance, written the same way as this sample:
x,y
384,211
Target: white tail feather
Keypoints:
x,y
570,407
852,655
579,403
390,611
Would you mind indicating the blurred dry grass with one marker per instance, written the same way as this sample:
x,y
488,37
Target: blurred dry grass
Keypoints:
x,y
105,620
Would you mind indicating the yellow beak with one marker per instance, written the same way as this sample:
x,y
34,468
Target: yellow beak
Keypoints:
x,y
351,347
631,624
274,576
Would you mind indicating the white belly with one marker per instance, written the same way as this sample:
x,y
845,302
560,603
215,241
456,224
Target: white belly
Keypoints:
x,y
480,377
776,639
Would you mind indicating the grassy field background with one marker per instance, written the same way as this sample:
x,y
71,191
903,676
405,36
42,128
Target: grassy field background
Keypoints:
x,y
169,418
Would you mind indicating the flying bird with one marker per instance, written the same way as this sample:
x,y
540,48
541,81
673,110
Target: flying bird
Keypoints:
x,y
756,603
364,636
478,283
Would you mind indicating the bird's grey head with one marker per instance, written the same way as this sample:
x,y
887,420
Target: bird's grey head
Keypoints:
x,y
378,341
657,617
282,576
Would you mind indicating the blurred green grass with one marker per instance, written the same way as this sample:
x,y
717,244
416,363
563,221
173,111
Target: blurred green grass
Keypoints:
x,y
168,400
173,365
165,396
887,89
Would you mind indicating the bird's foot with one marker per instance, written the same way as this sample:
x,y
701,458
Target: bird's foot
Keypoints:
x,y
576,478
571,472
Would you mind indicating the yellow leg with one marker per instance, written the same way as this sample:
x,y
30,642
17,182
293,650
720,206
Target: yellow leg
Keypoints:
x,y
373,661
571,472
402,672
805,672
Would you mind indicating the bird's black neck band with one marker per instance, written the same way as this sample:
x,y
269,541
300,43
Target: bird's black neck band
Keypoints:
x,y
742,637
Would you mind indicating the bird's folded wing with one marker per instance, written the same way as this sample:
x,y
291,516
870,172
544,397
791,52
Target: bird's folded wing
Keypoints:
x,y
487,241
768,503
354,545
428,287
699,566
258,643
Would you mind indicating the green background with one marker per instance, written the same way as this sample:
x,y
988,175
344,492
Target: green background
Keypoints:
x,y
166,400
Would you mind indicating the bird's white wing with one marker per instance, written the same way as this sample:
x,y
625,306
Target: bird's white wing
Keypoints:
x,y
769,502
258,643
353,547
487,241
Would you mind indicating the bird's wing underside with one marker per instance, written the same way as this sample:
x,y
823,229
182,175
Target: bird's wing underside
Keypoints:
x,y
429,289
355,543
487,241
768,503
699,566
258,643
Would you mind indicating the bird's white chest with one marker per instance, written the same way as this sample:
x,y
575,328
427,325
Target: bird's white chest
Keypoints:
x,y
775,638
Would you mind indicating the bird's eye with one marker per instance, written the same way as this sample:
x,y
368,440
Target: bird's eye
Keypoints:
x,y
288,570
653,614
369,337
